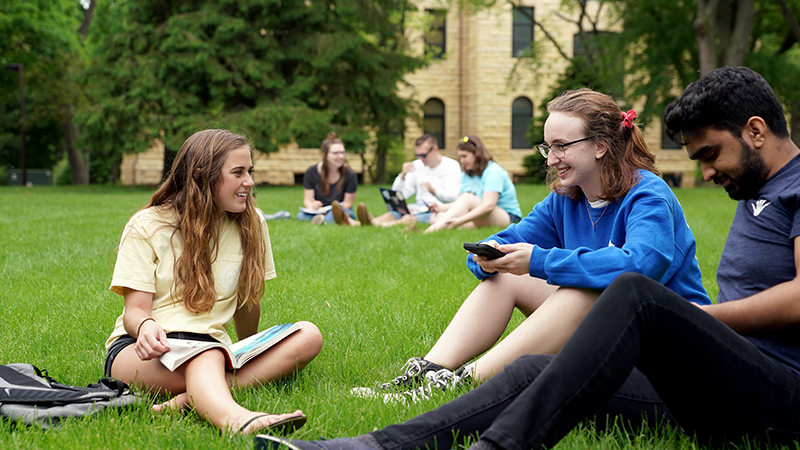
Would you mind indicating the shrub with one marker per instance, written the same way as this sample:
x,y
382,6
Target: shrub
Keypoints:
x,y
61,173
535,168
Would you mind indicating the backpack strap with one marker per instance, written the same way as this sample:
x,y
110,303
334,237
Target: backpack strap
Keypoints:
x,y
110,383
43,373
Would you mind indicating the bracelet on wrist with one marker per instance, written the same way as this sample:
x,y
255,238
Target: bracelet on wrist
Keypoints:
x,y
139,328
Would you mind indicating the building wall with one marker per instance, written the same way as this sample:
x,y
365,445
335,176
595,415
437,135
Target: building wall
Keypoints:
x,y
279,168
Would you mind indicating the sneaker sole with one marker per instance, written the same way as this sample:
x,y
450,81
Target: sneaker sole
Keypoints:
x,y
268,442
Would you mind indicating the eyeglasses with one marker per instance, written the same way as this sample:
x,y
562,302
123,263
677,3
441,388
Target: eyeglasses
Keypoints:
x,y
424,155
557,149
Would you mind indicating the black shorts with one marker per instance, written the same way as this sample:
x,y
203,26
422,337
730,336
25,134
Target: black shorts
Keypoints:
x,y
127,340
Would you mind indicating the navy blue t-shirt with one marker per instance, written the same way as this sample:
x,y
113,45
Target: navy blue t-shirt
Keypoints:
x,y
759,252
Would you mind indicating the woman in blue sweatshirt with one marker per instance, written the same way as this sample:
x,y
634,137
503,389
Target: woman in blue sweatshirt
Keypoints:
x,y
609,212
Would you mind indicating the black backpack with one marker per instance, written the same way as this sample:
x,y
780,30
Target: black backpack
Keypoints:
x,y
29,395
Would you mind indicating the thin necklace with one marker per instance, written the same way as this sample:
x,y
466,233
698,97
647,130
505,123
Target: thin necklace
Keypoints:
x,y
594,222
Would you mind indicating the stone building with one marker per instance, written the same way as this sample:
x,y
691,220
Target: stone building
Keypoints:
x,y
467,89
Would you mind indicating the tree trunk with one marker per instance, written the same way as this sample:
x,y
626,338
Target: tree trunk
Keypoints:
x,y
794,123
382,145
79,169
741,30
723,29
78,161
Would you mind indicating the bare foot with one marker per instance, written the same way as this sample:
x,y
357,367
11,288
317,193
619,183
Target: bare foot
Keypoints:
x,y
431,229
259,421
177,403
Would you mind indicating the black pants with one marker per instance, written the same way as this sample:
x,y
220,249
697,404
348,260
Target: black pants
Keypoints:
x,y
639,346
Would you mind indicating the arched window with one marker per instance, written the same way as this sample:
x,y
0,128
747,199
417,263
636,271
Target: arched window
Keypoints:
x,y
521,116
433,119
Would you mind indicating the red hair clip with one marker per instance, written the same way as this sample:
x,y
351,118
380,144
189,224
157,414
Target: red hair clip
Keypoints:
x,y
628,118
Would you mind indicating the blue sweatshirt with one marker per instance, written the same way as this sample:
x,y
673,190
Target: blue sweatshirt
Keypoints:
x,y
645,232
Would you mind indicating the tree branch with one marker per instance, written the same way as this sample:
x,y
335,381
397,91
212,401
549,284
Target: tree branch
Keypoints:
x,y
794,27
87,20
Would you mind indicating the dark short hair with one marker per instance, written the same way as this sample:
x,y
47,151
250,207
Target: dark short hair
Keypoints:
x,y
426,138
725,99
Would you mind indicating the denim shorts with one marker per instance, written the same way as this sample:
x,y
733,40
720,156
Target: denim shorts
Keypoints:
x,y
127,340
423,217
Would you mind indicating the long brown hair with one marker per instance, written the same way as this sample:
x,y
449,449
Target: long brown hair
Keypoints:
x,y
189,191
627,150
474,145
326,166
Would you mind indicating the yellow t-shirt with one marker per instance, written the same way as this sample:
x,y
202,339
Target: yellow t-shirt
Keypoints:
x,y
145,263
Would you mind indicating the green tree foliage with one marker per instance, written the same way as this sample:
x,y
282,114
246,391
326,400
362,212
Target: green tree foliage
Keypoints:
x,y
42,35
279,71
775,54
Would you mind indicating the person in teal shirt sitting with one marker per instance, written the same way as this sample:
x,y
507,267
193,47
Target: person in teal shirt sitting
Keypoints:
x,y
488,197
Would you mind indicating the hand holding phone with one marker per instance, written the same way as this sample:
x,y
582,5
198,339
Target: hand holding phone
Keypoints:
x,y
483,250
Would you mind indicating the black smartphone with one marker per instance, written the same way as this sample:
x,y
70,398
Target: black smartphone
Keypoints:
x,y
483,250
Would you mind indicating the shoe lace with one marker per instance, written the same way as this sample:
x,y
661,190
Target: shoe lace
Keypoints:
x,y
442,379
411,369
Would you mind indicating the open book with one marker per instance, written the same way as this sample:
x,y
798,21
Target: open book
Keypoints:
x,y
181,350
323,210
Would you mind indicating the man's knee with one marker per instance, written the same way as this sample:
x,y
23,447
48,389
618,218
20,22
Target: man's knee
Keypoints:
x,y
631,285
635,290
631,279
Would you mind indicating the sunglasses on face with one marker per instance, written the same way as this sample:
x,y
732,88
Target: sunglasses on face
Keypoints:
x,y
424,155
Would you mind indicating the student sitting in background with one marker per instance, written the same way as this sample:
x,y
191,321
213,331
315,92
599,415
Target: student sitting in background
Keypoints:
x,y
329,182
434,178
488,197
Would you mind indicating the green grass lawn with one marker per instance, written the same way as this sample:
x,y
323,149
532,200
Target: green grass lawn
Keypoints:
x,y
378,295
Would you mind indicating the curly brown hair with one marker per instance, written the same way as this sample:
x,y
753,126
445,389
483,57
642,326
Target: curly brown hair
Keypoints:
x,y
627,150
189,191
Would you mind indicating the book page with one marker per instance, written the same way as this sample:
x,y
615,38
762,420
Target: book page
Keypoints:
x,y
181,350
258,343
323,210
